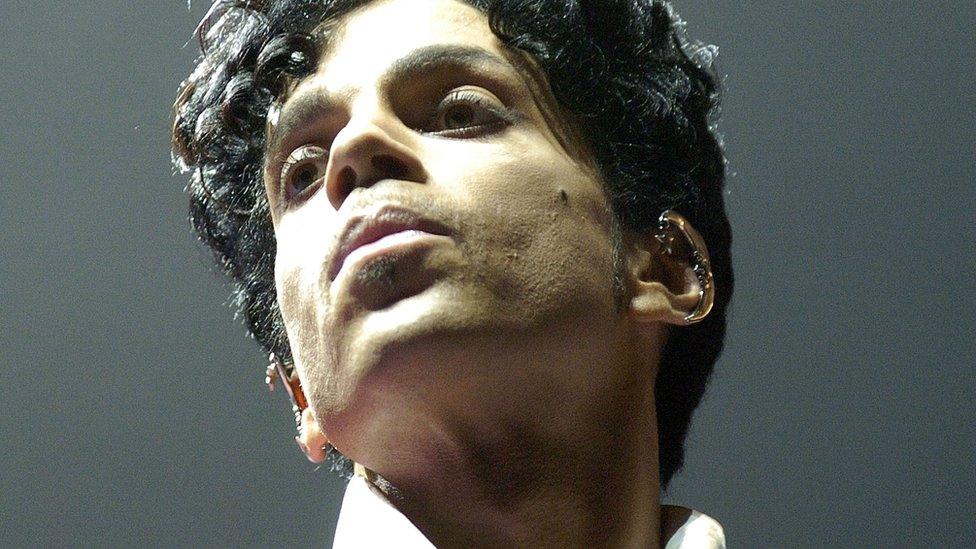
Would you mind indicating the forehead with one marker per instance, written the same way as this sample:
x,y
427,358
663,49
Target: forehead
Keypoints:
x,y
372,37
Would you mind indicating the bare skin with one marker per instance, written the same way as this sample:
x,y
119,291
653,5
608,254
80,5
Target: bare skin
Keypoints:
x,y
492,375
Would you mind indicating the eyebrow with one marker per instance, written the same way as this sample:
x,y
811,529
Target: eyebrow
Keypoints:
x,y
422,61
439,57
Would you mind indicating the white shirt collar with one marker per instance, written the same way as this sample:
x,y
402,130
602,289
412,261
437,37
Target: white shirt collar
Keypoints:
x,y
369,520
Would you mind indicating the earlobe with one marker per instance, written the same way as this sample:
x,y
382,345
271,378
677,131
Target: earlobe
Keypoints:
x,y
310,437
671,274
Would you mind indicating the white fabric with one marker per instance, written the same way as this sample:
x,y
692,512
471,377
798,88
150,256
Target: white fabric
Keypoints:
x,y
368,520
700,531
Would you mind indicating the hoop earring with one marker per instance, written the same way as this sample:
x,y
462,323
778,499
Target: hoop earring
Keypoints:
x,y
699,257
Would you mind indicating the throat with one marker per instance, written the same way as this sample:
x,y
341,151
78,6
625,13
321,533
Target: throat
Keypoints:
x,y
528,493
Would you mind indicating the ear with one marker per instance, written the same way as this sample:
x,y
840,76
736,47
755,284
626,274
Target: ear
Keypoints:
x,y
669,273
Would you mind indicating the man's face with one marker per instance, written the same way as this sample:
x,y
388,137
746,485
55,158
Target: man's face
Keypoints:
x,y
441,256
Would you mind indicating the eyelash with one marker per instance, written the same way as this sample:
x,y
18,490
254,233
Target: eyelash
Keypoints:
x,y
299,158
502,117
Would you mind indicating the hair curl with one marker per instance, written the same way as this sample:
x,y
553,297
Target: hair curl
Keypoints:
x,y
643,95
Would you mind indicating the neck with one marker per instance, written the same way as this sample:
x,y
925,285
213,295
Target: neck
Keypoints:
x,y
599,488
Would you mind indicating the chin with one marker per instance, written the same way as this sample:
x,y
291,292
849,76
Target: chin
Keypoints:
x,y
373,342
409,334
397,358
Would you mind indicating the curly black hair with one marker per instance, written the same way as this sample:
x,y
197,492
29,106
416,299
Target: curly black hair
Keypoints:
x,y
644,97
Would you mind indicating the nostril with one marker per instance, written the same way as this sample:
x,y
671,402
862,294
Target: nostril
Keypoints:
x,y
346,181
390,166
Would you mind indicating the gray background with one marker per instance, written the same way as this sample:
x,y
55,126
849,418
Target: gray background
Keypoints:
x,y
133,408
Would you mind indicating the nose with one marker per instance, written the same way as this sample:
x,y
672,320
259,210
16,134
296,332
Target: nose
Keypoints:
x,y
367,151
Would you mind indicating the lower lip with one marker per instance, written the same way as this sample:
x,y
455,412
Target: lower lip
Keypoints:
x,y
390,243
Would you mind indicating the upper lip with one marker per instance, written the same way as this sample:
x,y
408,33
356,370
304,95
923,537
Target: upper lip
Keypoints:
x,y
386,219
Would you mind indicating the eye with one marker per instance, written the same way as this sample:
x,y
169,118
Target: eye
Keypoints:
x,y
303,168
469,111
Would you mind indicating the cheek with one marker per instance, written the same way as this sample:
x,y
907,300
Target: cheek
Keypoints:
x,y
299,271
540,225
